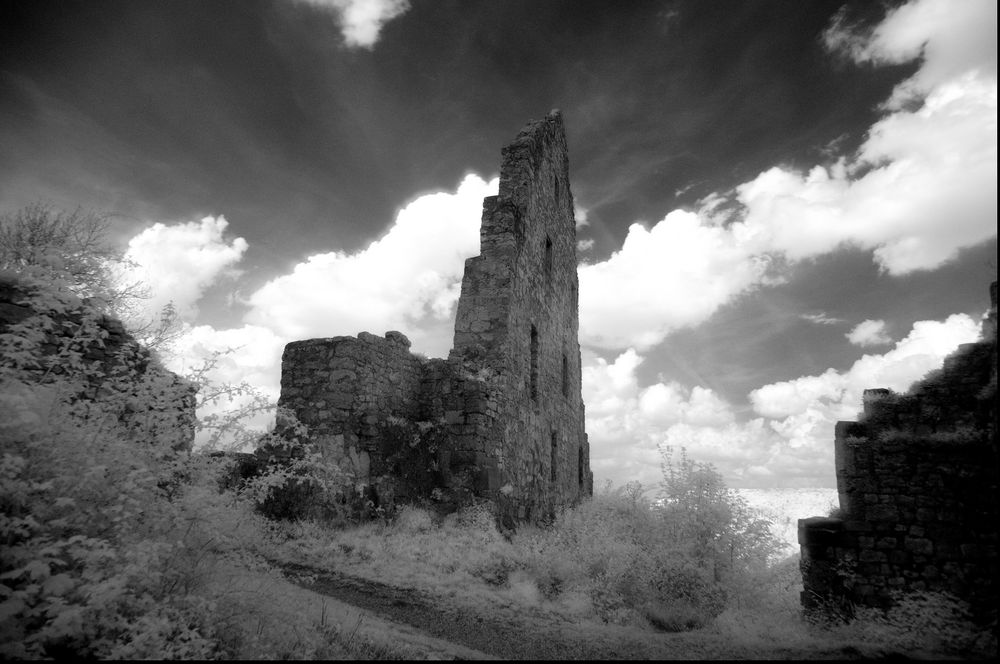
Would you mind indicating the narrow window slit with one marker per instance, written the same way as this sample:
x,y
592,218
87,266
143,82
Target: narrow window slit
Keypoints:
x,y
565,375
548,257
555,454
534,363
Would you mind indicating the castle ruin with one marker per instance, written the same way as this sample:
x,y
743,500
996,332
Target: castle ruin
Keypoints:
x,y
917,478
502,418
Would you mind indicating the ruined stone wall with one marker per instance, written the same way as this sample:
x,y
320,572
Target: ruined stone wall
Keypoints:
x,y
357,397
502,418
517,317
917,479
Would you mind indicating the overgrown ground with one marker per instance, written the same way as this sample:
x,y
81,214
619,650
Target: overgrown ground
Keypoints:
x,y
539,594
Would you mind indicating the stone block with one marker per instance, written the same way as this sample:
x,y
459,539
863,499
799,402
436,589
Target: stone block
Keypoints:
x,y
882,512
870,555
819,531
918,546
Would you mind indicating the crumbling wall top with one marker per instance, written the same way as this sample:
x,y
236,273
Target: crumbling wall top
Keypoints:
x,y
523,157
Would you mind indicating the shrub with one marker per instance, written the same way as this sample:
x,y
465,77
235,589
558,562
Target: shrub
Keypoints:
x,y
413,520
714,524
936,622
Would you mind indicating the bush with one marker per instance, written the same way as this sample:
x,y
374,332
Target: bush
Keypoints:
x,y
936,622
413,520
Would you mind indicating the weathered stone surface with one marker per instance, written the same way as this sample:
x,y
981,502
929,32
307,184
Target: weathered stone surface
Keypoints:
x,y
503,417
917,480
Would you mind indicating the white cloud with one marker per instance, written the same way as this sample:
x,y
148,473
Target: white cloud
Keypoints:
x,y
930,190
953,38
821,318
796,396
804,410
409,280
673,275
248,354
362,20
920,188
922,350
923,185
627,424
791,439
869,333
179,262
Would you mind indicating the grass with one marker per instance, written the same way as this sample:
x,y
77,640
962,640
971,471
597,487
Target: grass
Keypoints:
x,y
552,573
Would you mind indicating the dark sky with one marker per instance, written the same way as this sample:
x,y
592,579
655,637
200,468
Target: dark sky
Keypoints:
x,y
174,109
169,111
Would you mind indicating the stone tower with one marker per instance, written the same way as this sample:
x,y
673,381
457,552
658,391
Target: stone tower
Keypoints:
x,y
517,317
502,418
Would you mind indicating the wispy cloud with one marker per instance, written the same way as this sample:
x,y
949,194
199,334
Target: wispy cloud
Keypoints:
x,y
821,318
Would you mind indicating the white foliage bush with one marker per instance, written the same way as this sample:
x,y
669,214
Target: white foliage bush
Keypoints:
x,y
109,529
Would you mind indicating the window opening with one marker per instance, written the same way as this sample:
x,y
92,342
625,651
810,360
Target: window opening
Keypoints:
x,y
555,442
565,375
548,257
534,363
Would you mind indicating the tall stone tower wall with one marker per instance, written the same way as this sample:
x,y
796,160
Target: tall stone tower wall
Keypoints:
x,y
503,417
518,316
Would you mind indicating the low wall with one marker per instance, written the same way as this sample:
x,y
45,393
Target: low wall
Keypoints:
x,y
917,480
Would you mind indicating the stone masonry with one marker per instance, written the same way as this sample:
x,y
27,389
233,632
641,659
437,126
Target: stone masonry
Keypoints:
x,y
502,418
917,478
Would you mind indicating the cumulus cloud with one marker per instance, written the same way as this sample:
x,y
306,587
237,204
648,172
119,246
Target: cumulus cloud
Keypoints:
x,y
178,262
923,184
673,275
922,350
928,188
869,333
626,423
789,438
920,188
408,280
803,411
362,20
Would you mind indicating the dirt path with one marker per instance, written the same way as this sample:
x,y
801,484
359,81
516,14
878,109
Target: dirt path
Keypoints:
x,y
533,634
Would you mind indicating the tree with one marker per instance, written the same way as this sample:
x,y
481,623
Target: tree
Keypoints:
x,y
72,249
724,533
